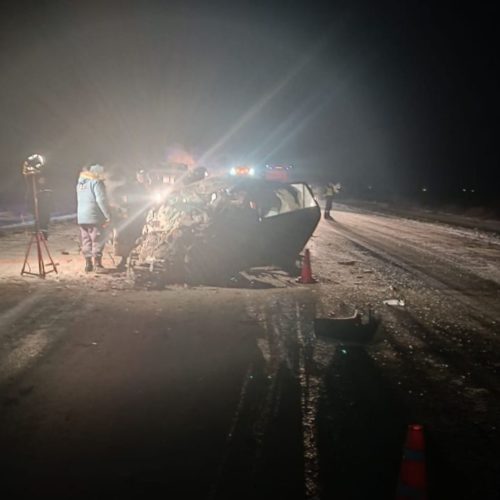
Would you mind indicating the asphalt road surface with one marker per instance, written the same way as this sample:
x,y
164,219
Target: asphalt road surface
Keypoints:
x,y
112,392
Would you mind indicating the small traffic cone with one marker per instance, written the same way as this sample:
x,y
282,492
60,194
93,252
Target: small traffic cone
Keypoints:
x,y
306,276
412,477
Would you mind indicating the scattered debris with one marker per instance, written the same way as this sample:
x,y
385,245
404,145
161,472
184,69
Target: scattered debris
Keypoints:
x,y
394,302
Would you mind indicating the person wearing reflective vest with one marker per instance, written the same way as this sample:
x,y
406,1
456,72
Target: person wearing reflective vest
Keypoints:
x,y
331,190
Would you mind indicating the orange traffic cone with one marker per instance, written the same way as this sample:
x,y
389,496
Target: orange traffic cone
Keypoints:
x,y
412,476
306,276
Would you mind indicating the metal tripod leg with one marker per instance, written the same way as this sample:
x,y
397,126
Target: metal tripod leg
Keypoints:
x,y
51,263
26,256
40,245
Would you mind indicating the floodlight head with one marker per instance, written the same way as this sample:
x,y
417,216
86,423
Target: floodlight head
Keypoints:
x,y
33,164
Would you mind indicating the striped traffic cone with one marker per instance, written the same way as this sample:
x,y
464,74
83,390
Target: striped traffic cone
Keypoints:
x,y
412,477
306,276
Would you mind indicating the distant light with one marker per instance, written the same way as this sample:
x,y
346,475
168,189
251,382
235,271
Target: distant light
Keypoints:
x,y
370,187
157,196
464,190
242,171
424,189
472,190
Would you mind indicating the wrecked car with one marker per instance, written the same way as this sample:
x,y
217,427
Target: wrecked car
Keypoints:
x,y
207,231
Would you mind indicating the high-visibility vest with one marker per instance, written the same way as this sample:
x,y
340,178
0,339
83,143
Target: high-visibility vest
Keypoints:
x,y
330,190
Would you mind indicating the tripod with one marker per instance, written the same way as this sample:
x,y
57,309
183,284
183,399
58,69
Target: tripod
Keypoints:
x,y
38,240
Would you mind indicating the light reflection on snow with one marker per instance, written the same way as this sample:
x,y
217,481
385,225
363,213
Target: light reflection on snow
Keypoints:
x,y
30,346
289,342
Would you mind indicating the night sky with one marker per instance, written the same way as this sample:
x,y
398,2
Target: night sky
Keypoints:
x,y
398,95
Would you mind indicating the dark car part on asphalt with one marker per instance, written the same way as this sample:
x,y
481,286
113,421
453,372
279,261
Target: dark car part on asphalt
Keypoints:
x,y
350,329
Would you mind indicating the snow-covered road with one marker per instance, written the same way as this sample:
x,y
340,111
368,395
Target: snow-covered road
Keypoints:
x,y
239,379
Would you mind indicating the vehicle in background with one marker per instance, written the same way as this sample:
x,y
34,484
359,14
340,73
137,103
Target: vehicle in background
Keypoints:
x,y
276,173
279,173
160,180
242,171
166,174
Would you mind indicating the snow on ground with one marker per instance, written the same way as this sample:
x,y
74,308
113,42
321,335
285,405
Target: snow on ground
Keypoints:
x,y
440,351
64,247
485,222
471,250
445,338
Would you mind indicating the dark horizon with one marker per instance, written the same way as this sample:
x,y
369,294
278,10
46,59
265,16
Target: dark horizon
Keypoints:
x,y
395,97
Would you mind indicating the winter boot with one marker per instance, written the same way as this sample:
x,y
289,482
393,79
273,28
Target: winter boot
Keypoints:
x,y
98,264
88,265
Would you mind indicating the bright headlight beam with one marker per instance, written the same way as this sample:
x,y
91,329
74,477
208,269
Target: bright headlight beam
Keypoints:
x,y
254,110
157,197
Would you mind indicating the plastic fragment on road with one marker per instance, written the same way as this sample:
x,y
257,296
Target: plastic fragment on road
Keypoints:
x,y
394,302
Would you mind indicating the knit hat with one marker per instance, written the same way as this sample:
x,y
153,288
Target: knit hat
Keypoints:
x,y
97,169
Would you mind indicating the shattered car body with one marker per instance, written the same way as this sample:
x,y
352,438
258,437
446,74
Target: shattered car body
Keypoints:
x,y
208,231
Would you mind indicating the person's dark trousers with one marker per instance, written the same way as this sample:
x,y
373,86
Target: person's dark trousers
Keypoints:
x,y
328,205
93,240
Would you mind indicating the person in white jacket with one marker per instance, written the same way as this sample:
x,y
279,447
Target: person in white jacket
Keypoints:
x,y
93,215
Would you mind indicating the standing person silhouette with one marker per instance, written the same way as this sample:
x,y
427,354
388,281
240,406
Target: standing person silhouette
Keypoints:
x,y
331,190
93,215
